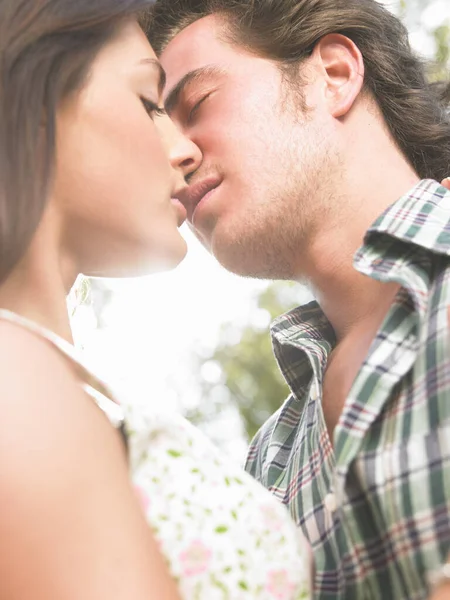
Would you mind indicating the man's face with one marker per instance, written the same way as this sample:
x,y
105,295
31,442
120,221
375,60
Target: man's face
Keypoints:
x,y
257,195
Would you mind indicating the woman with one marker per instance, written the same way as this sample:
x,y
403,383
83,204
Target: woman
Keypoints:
x,y
88,166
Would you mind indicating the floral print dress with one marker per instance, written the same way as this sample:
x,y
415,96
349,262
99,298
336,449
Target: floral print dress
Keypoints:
x,y
223,535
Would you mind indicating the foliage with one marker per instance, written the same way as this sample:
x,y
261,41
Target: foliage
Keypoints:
x,y
249,376
442,60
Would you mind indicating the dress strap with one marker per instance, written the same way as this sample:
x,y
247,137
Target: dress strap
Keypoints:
x,y
91,384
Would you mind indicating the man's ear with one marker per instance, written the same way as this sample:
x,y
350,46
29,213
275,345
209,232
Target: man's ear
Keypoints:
x,y
342,66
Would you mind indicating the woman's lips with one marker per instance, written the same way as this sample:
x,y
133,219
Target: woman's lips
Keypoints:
x,y
179,210
202,202
197,192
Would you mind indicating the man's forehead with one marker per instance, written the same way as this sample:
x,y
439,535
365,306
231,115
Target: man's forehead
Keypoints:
x,y
195,47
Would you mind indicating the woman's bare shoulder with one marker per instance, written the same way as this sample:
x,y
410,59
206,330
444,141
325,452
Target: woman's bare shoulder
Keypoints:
x,y
34,378
45,412
64,487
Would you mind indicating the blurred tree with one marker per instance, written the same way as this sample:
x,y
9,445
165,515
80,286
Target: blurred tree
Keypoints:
x,y
441,36
246,373
93,292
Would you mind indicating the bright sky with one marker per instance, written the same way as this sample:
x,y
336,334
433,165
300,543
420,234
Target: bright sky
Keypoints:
x,y
154,323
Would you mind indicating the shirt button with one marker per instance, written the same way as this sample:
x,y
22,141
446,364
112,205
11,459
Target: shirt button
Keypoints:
x,y
330,502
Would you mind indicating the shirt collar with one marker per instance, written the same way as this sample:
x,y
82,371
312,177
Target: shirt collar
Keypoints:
x,y
403,243
420,219
302,341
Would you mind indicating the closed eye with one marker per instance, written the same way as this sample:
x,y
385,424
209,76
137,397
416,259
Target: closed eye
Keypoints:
x,y
196,107
151,107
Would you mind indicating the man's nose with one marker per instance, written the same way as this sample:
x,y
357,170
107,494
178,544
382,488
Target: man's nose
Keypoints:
x,y
184,155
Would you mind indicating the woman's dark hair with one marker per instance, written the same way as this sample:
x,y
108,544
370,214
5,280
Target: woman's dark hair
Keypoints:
x,y
46,50
415,111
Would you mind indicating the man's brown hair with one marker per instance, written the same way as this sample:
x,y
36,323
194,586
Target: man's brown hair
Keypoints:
x,y
415,111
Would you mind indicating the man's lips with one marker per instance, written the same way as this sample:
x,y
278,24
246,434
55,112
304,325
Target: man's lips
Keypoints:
x,y
195,193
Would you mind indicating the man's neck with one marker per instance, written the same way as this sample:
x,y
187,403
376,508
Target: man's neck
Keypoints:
x,y
348,298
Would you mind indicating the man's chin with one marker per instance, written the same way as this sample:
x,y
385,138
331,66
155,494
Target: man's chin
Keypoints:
x,y
257,257
233,256
234,250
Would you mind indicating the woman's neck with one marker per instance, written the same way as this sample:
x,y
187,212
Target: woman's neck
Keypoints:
x,y
38,292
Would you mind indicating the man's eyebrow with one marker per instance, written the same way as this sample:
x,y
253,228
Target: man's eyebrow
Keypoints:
x,y
161,72
173,97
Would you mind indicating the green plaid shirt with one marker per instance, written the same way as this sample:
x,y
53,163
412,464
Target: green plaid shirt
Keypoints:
x,y
376,508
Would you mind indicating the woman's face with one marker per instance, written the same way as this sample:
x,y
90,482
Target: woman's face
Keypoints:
x,y
118,164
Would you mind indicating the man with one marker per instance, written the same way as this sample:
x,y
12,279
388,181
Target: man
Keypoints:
x,y
320,136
